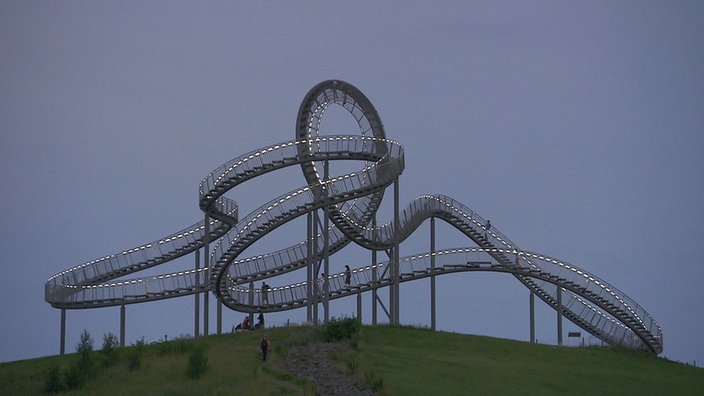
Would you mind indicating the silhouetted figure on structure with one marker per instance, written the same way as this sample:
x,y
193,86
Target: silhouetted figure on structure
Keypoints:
x,y
348,276
265,293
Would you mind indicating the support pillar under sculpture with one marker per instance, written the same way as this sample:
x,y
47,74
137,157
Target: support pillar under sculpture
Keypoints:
x,y
432,276
62,345
206,266
531,303
196,325
395,308
375,270
309,267
122,325
559,315
219,313
326,253
359,307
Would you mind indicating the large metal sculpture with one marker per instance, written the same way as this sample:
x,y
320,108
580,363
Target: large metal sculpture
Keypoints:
x,y
349,204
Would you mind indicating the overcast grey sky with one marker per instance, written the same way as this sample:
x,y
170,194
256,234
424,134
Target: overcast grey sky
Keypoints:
x,y
576,127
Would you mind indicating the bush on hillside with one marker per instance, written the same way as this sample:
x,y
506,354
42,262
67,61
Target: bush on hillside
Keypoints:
x,y
134,358
53,382
109,351
84,368
336,330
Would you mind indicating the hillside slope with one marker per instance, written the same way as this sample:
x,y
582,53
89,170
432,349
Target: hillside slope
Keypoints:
x,y
390,360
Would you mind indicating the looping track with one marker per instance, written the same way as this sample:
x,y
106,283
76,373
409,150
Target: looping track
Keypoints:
x,y
352,201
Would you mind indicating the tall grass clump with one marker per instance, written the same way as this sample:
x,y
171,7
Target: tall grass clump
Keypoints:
x,y
373,381
197,362
178,346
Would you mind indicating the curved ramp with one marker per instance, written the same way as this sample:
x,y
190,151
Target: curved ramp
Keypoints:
x,y
351,201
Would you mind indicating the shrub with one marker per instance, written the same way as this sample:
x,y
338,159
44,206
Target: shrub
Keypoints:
x,y
73,378
85,344
197,362
82,369
109,351
336,330
134,358
53,382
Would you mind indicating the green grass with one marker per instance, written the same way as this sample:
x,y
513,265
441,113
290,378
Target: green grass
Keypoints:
x,y
411,359
404,360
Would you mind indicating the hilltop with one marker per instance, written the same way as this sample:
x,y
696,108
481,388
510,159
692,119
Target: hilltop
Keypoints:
x,y
376,360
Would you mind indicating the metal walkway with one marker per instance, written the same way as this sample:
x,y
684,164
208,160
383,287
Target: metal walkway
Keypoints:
x,y
350,202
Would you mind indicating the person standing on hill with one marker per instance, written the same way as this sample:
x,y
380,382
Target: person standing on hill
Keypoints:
x,y
264,345
260,320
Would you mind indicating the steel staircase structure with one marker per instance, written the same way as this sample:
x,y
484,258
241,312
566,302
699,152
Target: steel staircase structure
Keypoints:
x,y
351,202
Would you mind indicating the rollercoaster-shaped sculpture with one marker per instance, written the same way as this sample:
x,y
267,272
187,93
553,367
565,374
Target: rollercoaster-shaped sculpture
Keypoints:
x,y
350,203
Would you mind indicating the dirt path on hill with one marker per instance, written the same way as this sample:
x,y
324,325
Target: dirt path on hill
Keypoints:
x,y
315,362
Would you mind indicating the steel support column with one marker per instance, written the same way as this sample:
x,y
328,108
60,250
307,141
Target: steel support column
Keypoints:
x,y
396,275
196,326
62,342
392,287
316,268
206,266
559,315
432,276
219,313
531,304
326,247
359,307
375,295
122,325
309,268
251,302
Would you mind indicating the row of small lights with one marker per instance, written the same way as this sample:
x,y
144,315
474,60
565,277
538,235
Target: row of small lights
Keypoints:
x,y
287,197
127,252
239,289
281,146
134,281
592,279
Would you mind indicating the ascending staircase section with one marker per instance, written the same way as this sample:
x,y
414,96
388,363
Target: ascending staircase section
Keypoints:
x,y
352,201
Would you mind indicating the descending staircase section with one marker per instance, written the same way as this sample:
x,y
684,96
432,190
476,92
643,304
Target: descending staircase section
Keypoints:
x,y
351,201
93,284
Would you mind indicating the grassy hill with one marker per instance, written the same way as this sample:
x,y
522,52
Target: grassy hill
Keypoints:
x,y
398,360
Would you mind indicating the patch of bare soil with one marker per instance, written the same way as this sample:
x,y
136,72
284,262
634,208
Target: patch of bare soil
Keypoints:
x,y
316,362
